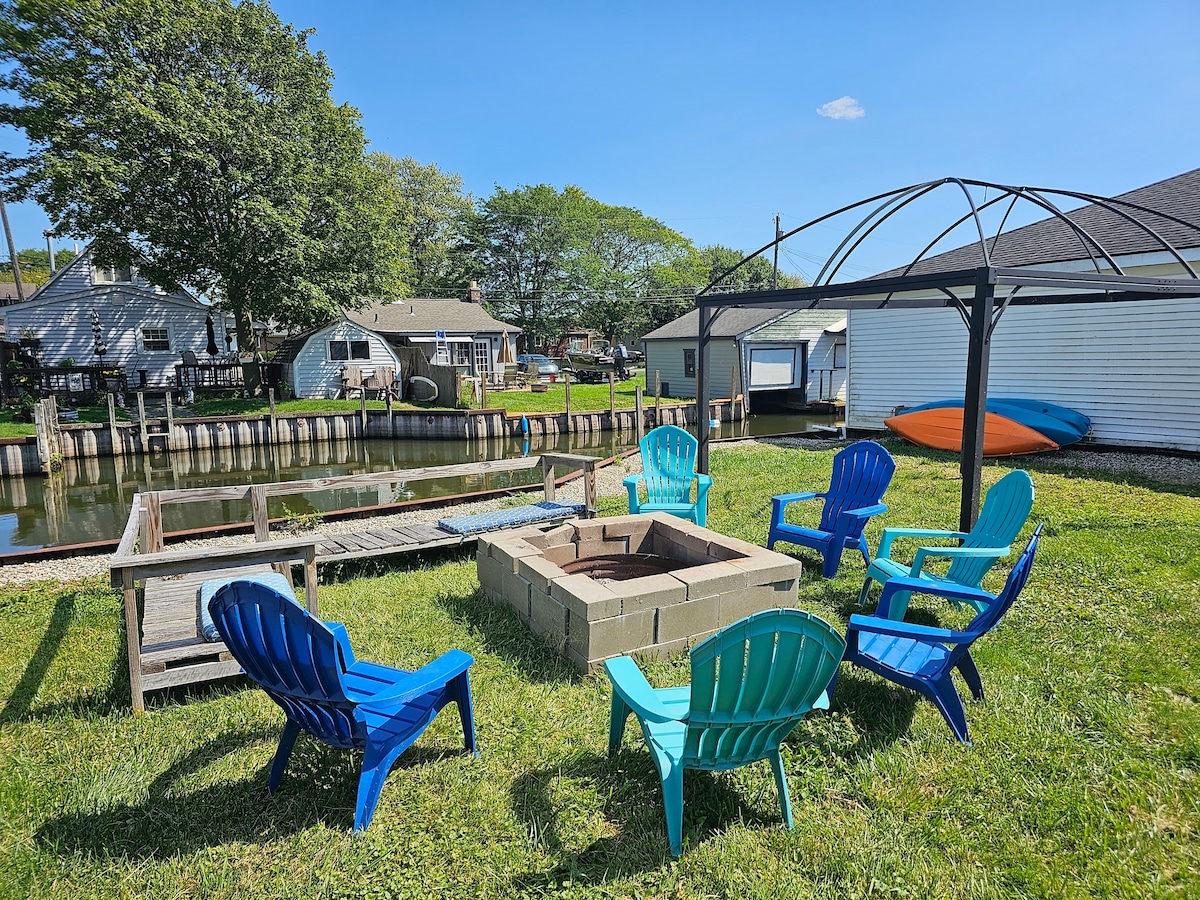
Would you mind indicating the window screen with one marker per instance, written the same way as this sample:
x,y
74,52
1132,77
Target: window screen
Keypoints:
x,y
339,350
155,339
360,349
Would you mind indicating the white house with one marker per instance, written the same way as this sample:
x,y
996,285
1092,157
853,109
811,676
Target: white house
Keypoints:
x,y
793,355
313,360
145,328
1130,367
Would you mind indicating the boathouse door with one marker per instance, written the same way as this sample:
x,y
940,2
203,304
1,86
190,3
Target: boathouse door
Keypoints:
x,y
483,358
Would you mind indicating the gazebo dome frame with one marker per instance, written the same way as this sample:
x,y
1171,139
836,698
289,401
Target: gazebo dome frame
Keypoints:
x,y
979,294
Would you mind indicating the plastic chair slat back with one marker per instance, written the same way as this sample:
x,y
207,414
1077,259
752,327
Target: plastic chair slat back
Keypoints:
x,y
1006,508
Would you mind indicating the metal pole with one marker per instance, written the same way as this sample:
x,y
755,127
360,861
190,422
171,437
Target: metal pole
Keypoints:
x,y
975,401
49,236
12,253
775,265
702,411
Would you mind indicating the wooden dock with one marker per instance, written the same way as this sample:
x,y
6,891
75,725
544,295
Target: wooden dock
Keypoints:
x,y
162,617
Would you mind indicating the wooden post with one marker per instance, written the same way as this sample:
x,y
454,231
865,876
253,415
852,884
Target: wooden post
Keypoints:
x,y
274,421
612,401
639,417
548,478
567,386
589,489
262,522
387,399
170,423
42,430
483,392
133,640
113,435
154,526
657,399
732,385
310,579
142,426
362,412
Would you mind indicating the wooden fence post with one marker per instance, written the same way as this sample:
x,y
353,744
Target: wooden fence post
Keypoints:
x,y
387,397
639,418
42,430
154,526
657,399
589,489
142,426
567,385
362,412
117,448
170,423
612,401
274,421
548,478
310,579
483,403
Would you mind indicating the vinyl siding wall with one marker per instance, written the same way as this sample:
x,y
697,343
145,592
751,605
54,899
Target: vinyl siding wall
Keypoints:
x,y
315,376
1130,367
667,358
809,326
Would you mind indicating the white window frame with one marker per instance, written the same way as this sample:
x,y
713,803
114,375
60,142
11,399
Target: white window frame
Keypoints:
x,y
165,329
349,345
839,356
110,275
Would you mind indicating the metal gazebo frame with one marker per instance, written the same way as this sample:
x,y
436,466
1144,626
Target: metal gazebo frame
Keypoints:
x,y
980,294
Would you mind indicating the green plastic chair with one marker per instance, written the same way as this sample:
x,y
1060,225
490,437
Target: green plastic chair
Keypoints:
x,y
751,683
1005,510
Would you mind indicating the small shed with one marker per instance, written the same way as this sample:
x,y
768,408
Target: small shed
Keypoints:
x,y
314,360
795,357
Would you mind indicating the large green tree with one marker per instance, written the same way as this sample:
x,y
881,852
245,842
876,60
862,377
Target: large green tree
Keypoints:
x,y
198,140
755,275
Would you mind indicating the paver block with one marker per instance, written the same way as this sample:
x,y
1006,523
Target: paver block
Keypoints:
x,y
649,592
737,605
682,620
765,567
632,527
539,572
588,606
619,634
711,579
560,555
516,592
508,552
491,577
548,618
589,530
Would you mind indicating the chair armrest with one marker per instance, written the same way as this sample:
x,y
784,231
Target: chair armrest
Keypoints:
x,y
704,481
343,642
936,588
785,499
890,534
632,481
875,625
977,552
864,512
631,685
429,677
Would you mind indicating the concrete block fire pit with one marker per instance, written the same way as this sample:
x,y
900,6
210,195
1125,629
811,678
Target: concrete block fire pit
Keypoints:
x,y
653,583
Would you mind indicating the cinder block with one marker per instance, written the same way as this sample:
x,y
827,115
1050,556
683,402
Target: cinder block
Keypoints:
x,y
712,579
683,620
583,589
649,592
555,537
516,592
539,572
666,545
590,530
508,552
548,618
661,650
491,577
589,605
737,605
619,634
592,548
632,527
580,661
735,544
766,567
564,553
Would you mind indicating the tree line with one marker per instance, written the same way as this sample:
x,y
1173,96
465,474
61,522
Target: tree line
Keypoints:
x,y
199,141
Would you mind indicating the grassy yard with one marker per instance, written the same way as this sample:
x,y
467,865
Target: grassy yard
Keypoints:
x,y
10,428
1082,781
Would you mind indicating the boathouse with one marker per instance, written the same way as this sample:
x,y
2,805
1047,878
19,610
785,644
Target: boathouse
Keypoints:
x,y
1129,367
796,358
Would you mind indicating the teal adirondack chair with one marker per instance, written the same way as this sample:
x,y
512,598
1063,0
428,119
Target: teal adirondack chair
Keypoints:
x,y
1006,507
668,470
751,683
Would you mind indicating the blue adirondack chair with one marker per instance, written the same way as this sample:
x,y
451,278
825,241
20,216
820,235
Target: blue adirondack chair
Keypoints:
x,y
861,473
668,470
751,683
924,658
1005,510
307,667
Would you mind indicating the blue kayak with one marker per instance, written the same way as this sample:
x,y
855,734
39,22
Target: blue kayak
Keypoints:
x,y
1061,425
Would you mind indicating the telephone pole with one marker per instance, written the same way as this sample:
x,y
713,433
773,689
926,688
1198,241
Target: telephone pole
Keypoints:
x,y
775,266
12,253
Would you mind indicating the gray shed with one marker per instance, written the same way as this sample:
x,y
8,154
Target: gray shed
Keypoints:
x,y
313,360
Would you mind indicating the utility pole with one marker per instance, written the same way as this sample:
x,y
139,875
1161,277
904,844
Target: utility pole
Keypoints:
x,y
12,254
775,266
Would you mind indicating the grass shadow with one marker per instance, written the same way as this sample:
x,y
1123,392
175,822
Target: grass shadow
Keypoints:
x,y
630,796
882,713
320,787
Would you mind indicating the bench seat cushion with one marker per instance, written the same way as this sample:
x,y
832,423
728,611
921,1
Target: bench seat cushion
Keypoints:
x,y
208,588
545,511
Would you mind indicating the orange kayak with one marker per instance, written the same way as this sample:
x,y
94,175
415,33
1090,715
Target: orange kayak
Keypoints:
x,y
942,429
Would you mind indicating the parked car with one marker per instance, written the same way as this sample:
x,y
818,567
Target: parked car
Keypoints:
x,y
544,365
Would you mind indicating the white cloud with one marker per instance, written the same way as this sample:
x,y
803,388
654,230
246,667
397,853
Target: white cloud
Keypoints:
x,y
841,108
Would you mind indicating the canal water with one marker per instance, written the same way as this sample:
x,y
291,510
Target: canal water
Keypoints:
x,y
90,499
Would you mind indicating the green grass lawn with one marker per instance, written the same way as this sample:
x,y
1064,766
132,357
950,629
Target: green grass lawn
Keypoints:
x,y
1083,780
10,428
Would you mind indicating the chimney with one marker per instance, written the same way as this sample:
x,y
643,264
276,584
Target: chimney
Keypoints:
x,y
474,294
49,235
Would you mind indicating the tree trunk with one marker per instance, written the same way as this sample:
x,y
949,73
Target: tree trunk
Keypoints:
x,y
251,373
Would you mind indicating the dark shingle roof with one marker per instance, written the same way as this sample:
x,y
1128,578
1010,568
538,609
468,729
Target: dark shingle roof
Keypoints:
x,y
732,322
1052,240
428,316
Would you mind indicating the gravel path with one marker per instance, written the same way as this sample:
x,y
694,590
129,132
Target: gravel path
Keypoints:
x,y
1165,469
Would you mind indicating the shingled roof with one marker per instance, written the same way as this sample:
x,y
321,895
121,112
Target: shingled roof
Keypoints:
x,y
732,322
1051,240
427,317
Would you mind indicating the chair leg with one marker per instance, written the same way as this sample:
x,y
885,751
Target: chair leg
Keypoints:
x,y
862,548
831,560
702,514
376,765
283,753
460,692
866,589
945,697
617,716
970,675
673,803
785,802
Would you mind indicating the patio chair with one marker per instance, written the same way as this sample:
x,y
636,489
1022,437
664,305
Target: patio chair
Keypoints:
x,y
668,470
307,667
1006,508
751,683
924,658
352,382
861,474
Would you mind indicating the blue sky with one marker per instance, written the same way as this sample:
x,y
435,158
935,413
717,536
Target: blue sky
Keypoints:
x,y
705,115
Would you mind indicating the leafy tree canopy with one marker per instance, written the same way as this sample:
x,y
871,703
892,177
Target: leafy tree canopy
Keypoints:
x,y
198,139
755,275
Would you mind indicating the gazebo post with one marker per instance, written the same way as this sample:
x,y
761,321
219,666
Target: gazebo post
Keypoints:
x,y
702,391
979,344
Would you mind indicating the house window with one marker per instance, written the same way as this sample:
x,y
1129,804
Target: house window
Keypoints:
x,y
155,339
111,275
462,355
839,356
689,363
343,350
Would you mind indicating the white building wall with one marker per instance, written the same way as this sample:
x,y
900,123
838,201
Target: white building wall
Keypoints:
x,y
315,376
809,327
1132,368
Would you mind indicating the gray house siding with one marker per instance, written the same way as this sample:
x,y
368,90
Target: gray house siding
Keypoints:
x,y
313,375
808,327
667,357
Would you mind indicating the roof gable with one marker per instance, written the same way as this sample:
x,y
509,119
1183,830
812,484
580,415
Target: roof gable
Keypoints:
x,y
733,322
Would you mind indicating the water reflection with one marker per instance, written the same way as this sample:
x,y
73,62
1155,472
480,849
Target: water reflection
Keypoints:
x,y
90,499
